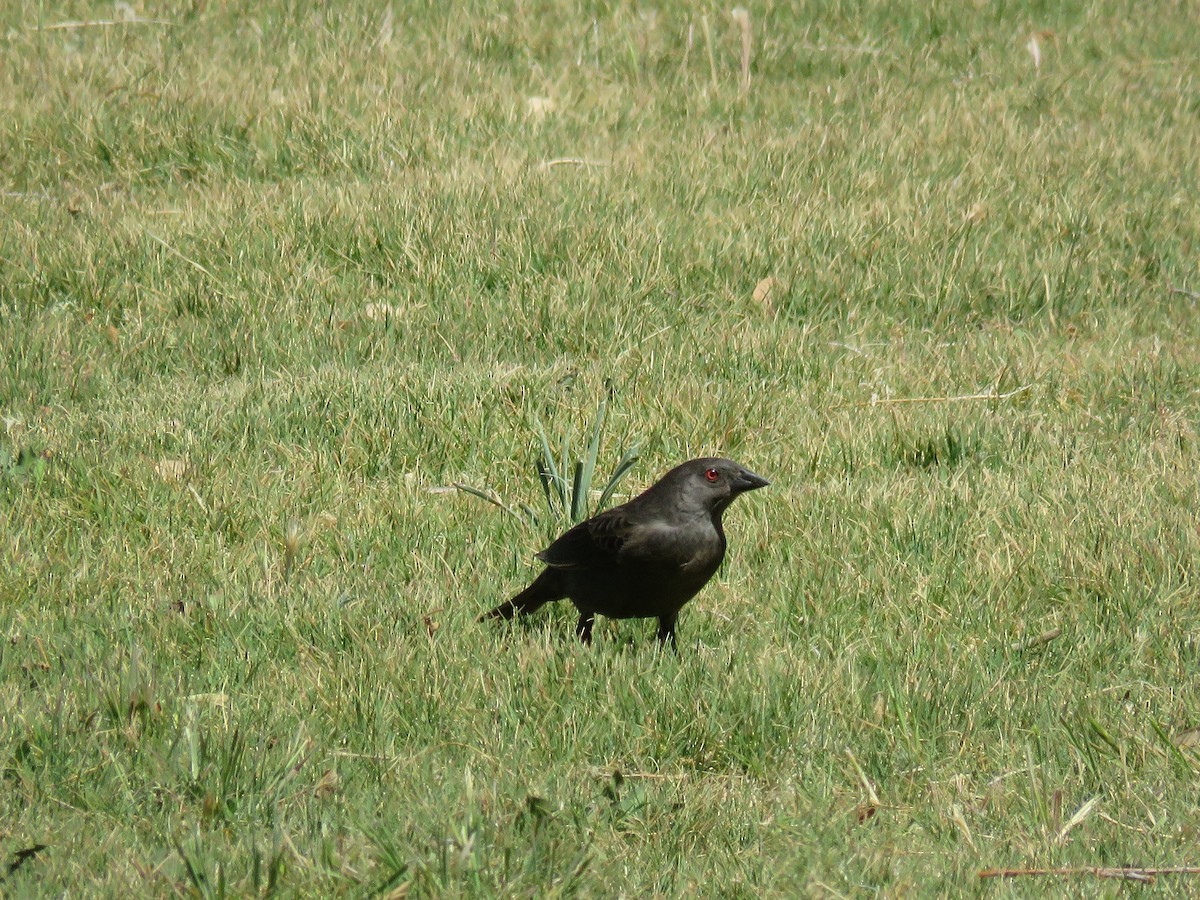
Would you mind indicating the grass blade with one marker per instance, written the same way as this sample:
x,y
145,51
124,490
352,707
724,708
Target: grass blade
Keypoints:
x,y
564,464
593,450
548,473
493,498
579,495
627,462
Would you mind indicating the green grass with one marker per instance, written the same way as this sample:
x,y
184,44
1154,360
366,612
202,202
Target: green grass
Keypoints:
x,y
268,275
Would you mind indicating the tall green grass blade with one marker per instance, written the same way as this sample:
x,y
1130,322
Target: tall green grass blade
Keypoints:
x,y
564,466
628,461
579,492
593,450
552,481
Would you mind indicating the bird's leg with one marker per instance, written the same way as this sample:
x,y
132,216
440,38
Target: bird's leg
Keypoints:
x,y
584,628
666,631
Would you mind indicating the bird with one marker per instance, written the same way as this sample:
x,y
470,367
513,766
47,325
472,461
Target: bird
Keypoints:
x,y
645,558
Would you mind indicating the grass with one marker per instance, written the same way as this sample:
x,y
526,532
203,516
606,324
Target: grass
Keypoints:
x,y
269,274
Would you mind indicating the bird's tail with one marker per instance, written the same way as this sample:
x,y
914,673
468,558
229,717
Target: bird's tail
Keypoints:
x,y
546,588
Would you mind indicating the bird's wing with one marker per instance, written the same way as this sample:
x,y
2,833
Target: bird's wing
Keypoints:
x,y
596,542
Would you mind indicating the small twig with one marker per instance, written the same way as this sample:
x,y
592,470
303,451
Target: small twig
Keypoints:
x,y
1171,289
186,259
741,16
1111,821
496,500
638,343
859,350
97,23
606,773
687,48
862,777
1029,643
1080,816
892,401
573,161
843,48
712,62
200,500
1129,873
960,821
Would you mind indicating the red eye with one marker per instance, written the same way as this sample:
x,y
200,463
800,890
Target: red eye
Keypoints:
x,y
712,474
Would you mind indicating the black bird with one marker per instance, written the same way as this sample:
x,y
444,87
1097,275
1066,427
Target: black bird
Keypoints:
x,y
644,558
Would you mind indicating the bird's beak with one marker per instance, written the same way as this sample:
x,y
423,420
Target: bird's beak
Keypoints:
x,y
748,481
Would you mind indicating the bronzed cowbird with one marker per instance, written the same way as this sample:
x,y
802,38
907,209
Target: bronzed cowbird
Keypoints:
x,y
645,558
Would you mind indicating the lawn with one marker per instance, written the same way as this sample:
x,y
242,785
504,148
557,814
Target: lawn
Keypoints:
x,y
274,277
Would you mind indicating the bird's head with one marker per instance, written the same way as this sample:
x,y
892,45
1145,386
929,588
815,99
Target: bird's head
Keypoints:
x,y
711,483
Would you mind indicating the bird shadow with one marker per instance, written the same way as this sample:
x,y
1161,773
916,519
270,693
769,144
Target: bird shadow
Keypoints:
x,y
620,639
